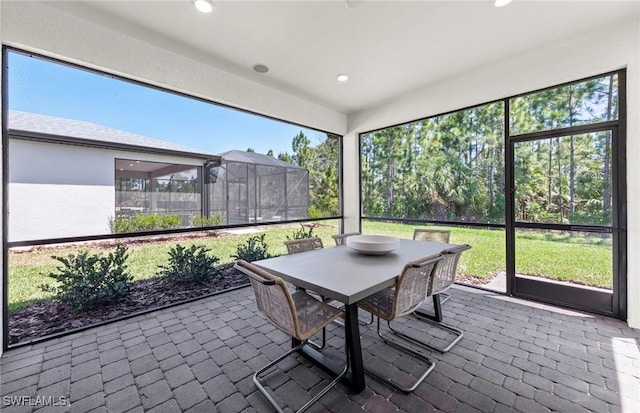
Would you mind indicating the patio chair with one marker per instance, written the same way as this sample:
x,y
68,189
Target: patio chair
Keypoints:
x,y
403,299
302,245
299,315
444,276
296,246
341,239
433,235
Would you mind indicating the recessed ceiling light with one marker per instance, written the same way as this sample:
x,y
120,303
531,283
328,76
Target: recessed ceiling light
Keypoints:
x,y
342,77
502,3
261,68
352,4
204,6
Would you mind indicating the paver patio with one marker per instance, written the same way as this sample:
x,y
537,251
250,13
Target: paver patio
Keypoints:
x,y
199,357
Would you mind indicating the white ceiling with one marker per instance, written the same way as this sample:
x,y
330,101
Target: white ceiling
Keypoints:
x,y
388,48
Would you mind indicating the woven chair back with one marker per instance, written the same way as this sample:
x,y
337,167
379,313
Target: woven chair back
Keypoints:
x,y
445,273
295,246
341,239
273,298
434,235
412,285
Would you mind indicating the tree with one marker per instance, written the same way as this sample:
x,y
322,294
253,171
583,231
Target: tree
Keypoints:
x,y
285,157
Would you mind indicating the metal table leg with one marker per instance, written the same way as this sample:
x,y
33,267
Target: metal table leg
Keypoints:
x,y
355,378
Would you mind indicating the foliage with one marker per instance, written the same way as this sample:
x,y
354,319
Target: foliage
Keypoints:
x,y
452,167
189,265
255,248
210,221
322,163
26,269
85,280
305,231
580,258
144,222
315,212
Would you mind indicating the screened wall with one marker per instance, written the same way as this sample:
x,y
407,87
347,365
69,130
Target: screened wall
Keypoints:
x,y
250,187
157,188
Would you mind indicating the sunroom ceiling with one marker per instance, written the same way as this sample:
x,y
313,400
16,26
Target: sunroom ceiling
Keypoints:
x,y
388,48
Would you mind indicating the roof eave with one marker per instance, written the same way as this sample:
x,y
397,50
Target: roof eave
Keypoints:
x,y
71,140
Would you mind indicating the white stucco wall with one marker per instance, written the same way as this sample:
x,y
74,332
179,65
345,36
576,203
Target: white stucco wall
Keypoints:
x,y
64,190
595,52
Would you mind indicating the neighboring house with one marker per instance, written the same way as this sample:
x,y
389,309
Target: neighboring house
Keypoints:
x,y
69,178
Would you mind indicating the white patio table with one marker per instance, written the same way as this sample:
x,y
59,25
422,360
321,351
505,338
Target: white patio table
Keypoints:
x,y
348,276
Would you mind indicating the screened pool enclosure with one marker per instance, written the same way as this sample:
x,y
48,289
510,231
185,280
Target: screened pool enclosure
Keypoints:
x,y
238,188
250,187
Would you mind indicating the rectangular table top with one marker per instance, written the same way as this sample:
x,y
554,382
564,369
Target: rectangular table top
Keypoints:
x,y
345,275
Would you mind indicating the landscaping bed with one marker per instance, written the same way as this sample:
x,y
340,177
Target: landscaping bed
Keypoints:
x,y
48,317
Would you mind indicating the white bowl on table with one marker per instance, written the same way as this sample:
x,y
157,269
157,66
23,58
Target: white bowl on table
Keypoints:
x,y
373,244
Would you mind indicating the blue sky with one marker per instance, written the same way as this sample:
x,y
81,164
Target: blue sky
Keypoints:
x,y
52,89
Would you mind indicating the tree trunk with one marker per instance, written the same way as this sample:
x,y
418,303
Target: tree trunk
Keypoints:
x,y
572,174
606,192
558,155
549,175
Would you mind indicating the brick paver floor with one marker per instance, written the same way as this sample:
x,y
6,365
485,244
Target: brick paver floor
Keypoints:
x,y
199,357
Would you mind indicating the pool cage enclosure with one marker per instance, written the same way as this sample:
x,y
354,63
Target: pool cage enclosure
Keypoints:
x,y
158,188
238,187
248,187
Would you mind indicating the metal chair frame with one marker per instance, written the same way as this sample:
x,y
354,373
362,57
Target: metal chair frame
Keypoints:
x,y
446,271
409,292
258,276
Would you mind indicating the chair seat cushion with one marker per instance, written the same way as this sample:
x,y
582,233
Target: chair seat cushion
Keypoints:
x,y
313,315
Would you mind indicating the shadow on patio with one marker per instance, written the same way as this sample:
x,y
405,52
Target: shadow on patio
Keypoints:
x,y
515,356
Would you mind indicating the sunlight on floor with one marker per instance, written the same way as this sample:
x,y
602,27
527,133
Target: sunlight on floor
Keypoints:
x,y
626,353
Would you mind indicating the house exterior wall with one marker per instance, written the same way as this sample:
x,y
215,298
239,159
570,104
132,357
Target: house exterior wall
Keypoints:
x,y
60,190
597,51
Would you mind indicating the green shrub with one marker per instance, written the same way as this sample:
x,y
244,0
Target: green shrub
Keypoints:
x,y
315,212
255,248
85,280
144,222
189,265
302,232
210,221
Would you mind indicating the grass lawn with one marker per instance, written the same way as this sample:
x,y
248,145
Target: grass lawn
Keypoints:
x,y
585,260
27,271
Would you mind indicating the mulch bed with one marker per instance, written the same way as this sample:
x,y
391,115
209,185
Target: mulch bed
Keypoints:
x,y
48,318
